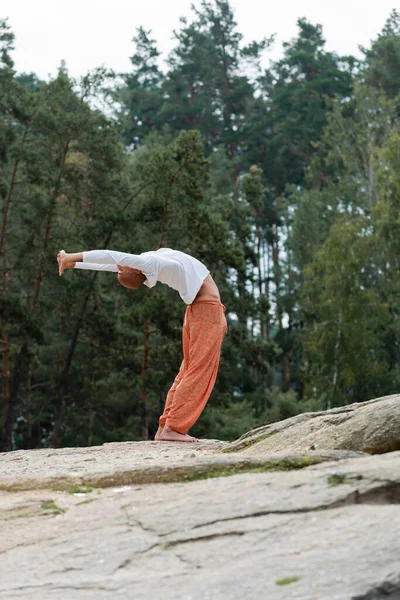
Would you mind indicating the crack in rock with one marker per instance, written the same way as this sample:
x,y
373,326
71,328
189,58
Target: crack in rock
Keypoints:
x,y
131,521
187,562
141,526
203,538
128,561
385,494
387,590
389,493
80,587
66,570
26,544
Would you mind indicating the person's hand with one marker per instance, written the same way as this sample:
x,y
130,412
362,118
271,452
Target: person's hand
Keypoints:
x,y
64,262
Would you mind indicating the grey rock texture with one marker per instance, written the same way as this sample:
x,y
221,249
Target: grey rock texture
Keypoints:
x,y
372,427
130,463
161,520
330,531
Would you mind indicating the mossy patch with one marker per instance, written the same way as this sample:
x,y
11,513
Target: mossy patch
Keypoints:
x,y
50,505
287,580
79,489
335,479
282,464
203,469
250,442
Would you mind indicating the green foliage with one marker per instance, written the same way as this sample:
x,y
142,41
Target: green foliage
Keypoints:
x,y
298,88
287,580
278,405
142,93
344,304
347,322
284,182
382,60
337,479
203,88
50,505
294,463
80,489
226,422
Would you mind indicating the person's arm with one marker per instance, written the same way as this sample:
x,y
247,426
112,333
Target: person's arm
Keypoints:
x,y
106,260
112,257
95,267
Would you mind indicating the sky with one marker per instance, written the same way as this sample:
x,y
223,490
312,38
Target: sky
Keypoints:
x,y
90,33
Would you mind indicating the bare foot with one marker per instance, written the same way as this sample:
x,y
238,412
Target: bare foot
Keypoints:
x,y
158,434
64,262
169,435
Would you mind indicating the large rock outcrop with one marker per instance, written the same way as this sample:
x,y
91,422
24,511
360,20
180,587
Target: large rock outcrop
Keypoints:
x,y
330,531
372,427
148,520
129,463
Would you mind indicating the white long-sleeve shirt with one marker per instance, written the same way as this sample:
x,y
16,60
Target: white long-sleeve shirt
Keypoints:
x,y
172,267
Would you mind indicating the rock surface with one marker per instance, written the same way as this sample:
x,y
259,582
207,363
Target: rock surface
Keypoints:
x,y
327,532
130,463
372,427
162,520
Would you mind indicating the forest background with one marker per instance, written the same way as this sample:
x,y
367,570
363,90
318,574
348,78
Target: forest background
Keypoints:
x,y
284,181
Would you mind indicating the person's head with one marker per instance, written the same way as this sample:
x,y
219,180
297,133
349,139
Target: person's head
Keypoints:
x,y
131,279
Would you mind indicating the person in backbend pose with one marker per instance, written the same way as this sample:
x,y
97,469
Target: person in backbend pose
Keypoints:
x,y
204,326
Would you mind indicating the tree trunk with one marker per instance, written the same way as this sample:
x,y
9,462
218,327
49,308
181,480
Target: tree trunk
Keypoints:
x,y
8,437
5,368
267,292
287,365
49,219
336,358
143,374
5,347
29,439
10,191
164,223
285,373
35,298
253,288
277,276
62,384
92,415
260,279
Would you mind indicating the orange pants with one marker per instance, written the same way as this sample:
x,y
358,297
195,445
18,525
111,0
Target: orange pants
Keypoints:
x,y
204,329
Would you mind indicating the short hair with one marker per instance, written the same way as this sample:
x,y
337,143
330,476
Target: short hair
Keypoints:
x,y
131,280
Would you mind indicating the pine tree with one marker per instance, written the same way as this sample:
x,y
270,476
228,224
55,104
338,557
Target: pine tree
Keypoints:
x,y
344,309
382,60
141,96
